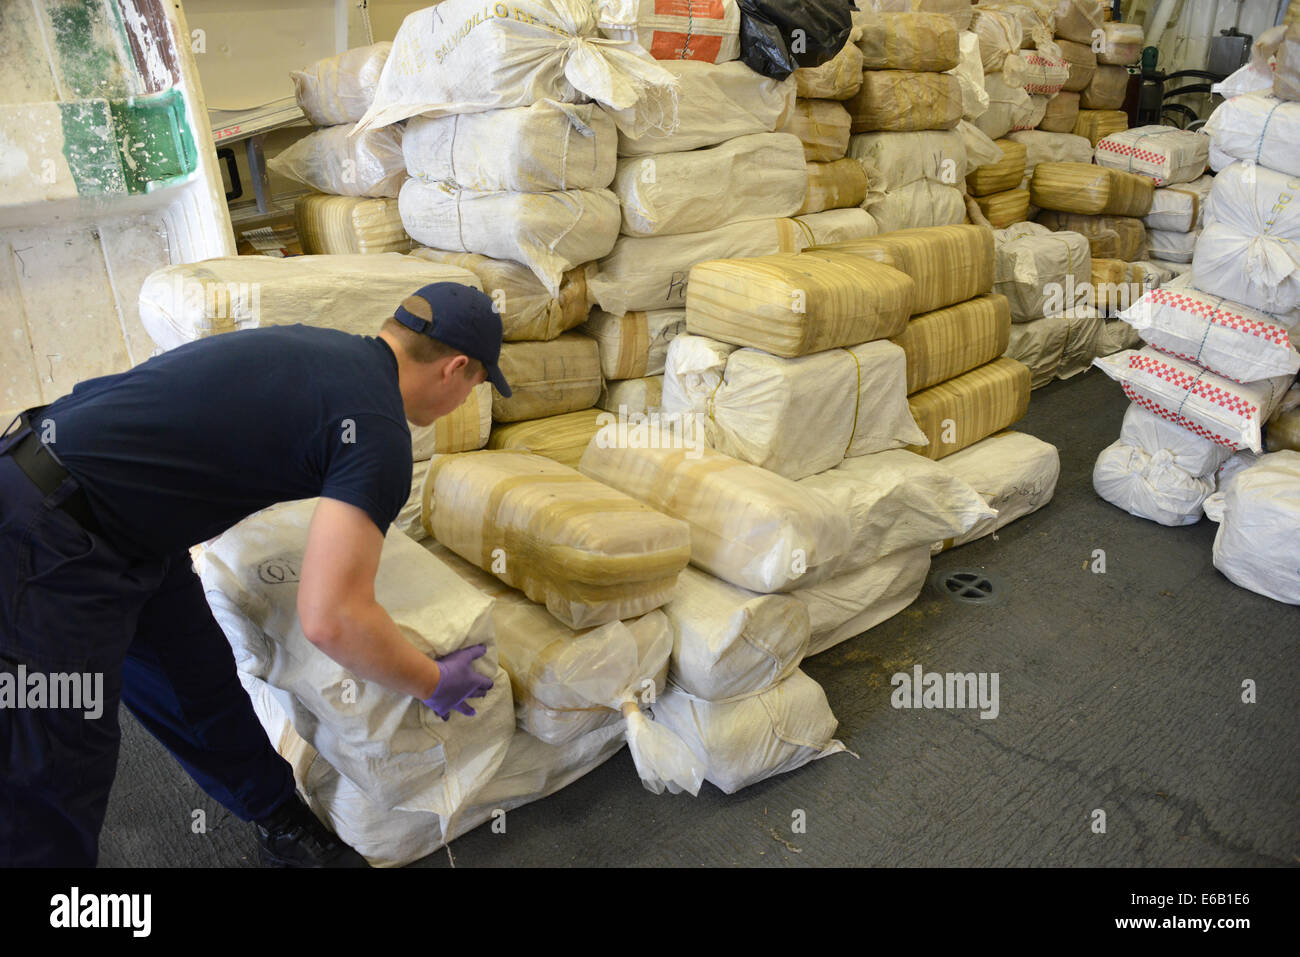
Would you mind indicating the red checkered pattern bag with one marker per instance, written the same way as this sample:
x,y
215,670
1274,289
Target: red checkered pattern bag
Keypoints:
x,y
1166,154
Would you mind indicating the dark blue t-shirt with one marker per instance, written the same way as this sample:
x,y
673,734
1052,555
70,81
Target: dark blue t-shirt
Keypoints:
x,y
185,445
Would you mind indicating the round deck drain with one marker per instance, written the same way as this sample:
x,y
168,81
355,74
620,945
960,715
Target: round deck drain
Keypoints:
x,y
967,585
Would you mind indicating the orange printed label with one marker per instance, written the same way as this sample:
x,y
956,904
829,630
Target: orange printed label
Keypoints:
x,y
699,9
677,46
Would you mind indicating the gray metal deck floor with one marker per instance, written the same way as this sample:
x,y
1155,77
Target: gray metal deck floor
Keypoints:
x,y
1119,691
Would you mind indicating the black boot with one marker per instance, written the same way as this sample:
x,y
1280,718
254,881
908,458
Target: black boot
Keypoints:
x,y
292,837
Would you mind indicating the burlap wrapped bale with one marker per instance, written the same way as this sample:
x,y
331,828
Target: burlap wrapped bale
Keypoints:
x,y
1083,64
1062,113
836,79
548,378
1106,89
1130,232
1180,208
837,226
1075,20
562,438
1045,72
999,33
589,553
1086,326
794,304
1039,344
463,429
632,396
339,89
528,312
1037,21
634,344
749,526
943,344
917,205
949,264
902,101
1044,147
1169,156
1080,188
1010,108
331,161
1005,174
837,185
923,42
1003,209
332,225
958,11
894,160
1123,43
978,403
822,127
1116,285
1038,270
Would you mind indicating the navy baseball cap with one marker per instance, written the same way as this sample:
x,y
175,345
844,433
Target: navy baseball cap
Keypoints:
x,y
463,318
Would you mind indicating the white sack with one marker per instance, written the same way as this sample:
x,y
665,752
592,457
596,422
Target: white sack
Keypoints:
x,y
1043,147
709,32
1034,267
1258,129
1171,247
693,367
922,203
1195,455
329,161
1179,208
1256,546
635,344
1013,472
893,160
837,226
1039,344
632,396
845,606
970,74
339,89
1149,486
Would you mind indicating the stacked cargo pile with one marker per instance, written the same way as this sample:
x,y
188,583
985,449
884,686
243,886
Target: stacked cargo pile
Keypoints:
x,y
1100,102
1076,25
356,178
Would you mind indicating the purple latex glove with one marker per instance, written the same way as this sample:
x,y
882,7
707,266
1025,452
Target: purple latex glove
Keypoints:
x,y
459,681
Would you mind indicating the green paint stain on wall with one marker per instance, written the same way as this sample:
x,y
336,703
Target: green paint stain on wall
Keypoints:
x,y
89,62
134,145
89,148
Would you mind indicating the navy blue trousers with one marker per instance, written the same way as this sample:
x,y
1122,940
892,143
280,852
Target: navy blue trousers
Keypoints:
x,y
72,603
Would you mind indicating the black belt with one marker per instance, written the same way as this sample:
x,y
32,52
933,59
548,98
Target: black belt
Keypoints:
x,y
38,464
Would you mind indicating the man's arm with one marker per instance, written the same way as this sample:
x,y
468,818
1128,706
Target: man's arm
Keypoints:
x,y
337,607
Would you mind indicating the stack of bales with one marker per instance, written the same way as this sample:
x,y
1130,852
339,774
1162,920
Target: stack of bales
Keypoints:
x,y
1076,23
1100,102
356,178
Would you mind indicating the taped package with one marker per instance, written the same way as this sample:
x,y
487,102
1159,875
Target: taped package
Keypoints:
x,y
1005,174
1061,114
391,746
837,226
845,606
1180,208
708,32
978,403
949,264
1171,247
715,104
645,273
918,205
894,160
333,225
793,304
1003,209
922,42
548,378
837,185
1036,269
458,57
1085,328
1116,285
1193,454
1150,485
1255,126
339,89
943,344
561,438
528,149
1256,546
758,413
1123,43
632,396
463,429
589,553
1229,413
1225,337
331,161
634,344
1168,155
837,79
191,301
758,176
1040,345
693,369
1105,91
822,126
749,526
537,230
1082,61
1045,73
528,311
1080,188
1014,473
1000,35
970,74
1097,125
728,641
903,100
1044,147
752,738
1130,235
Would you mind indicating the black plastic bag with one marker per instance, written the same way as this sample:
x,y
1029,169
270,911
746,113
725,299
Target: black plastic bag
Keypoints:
x,y
778,36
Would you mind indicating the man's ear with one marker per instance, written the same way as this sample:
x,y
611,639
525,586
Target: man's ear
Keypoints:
x,y
454,366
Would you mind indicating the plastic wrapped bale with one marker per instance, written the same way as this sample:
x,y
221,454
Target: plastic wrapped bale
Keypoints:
x,y
895,160
758,413
528,311
949,264
1122,45
1061,114
408,519
1256,546
1000,35
729,641
837,185
1085,327
589,553
1040,345
970,74
752,738
450,59
1172,247
837,226
548,378
1005,174
1077,20
331,161
562,438
537,230
751,177
1014,473
339,89
1080,188
715,104
1082,61
707,32
1004,209
1169,156
1193,454
903,101
1223,336
1105,92
836,79
390,745
693,368
1037,21
958,11
1150,486
945,343
893,501
978,403
1248,251
349,225
1036,269
191,301
822,126
1116,285
1282,430
1010,108
1223,411
530,149
1096,125
1130,241
1250,127
463,429
794,304
1181,208
749,526
845,606
918,205
632,396
645,273
922,42
634,344
1045,72
1044,147
1116,335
